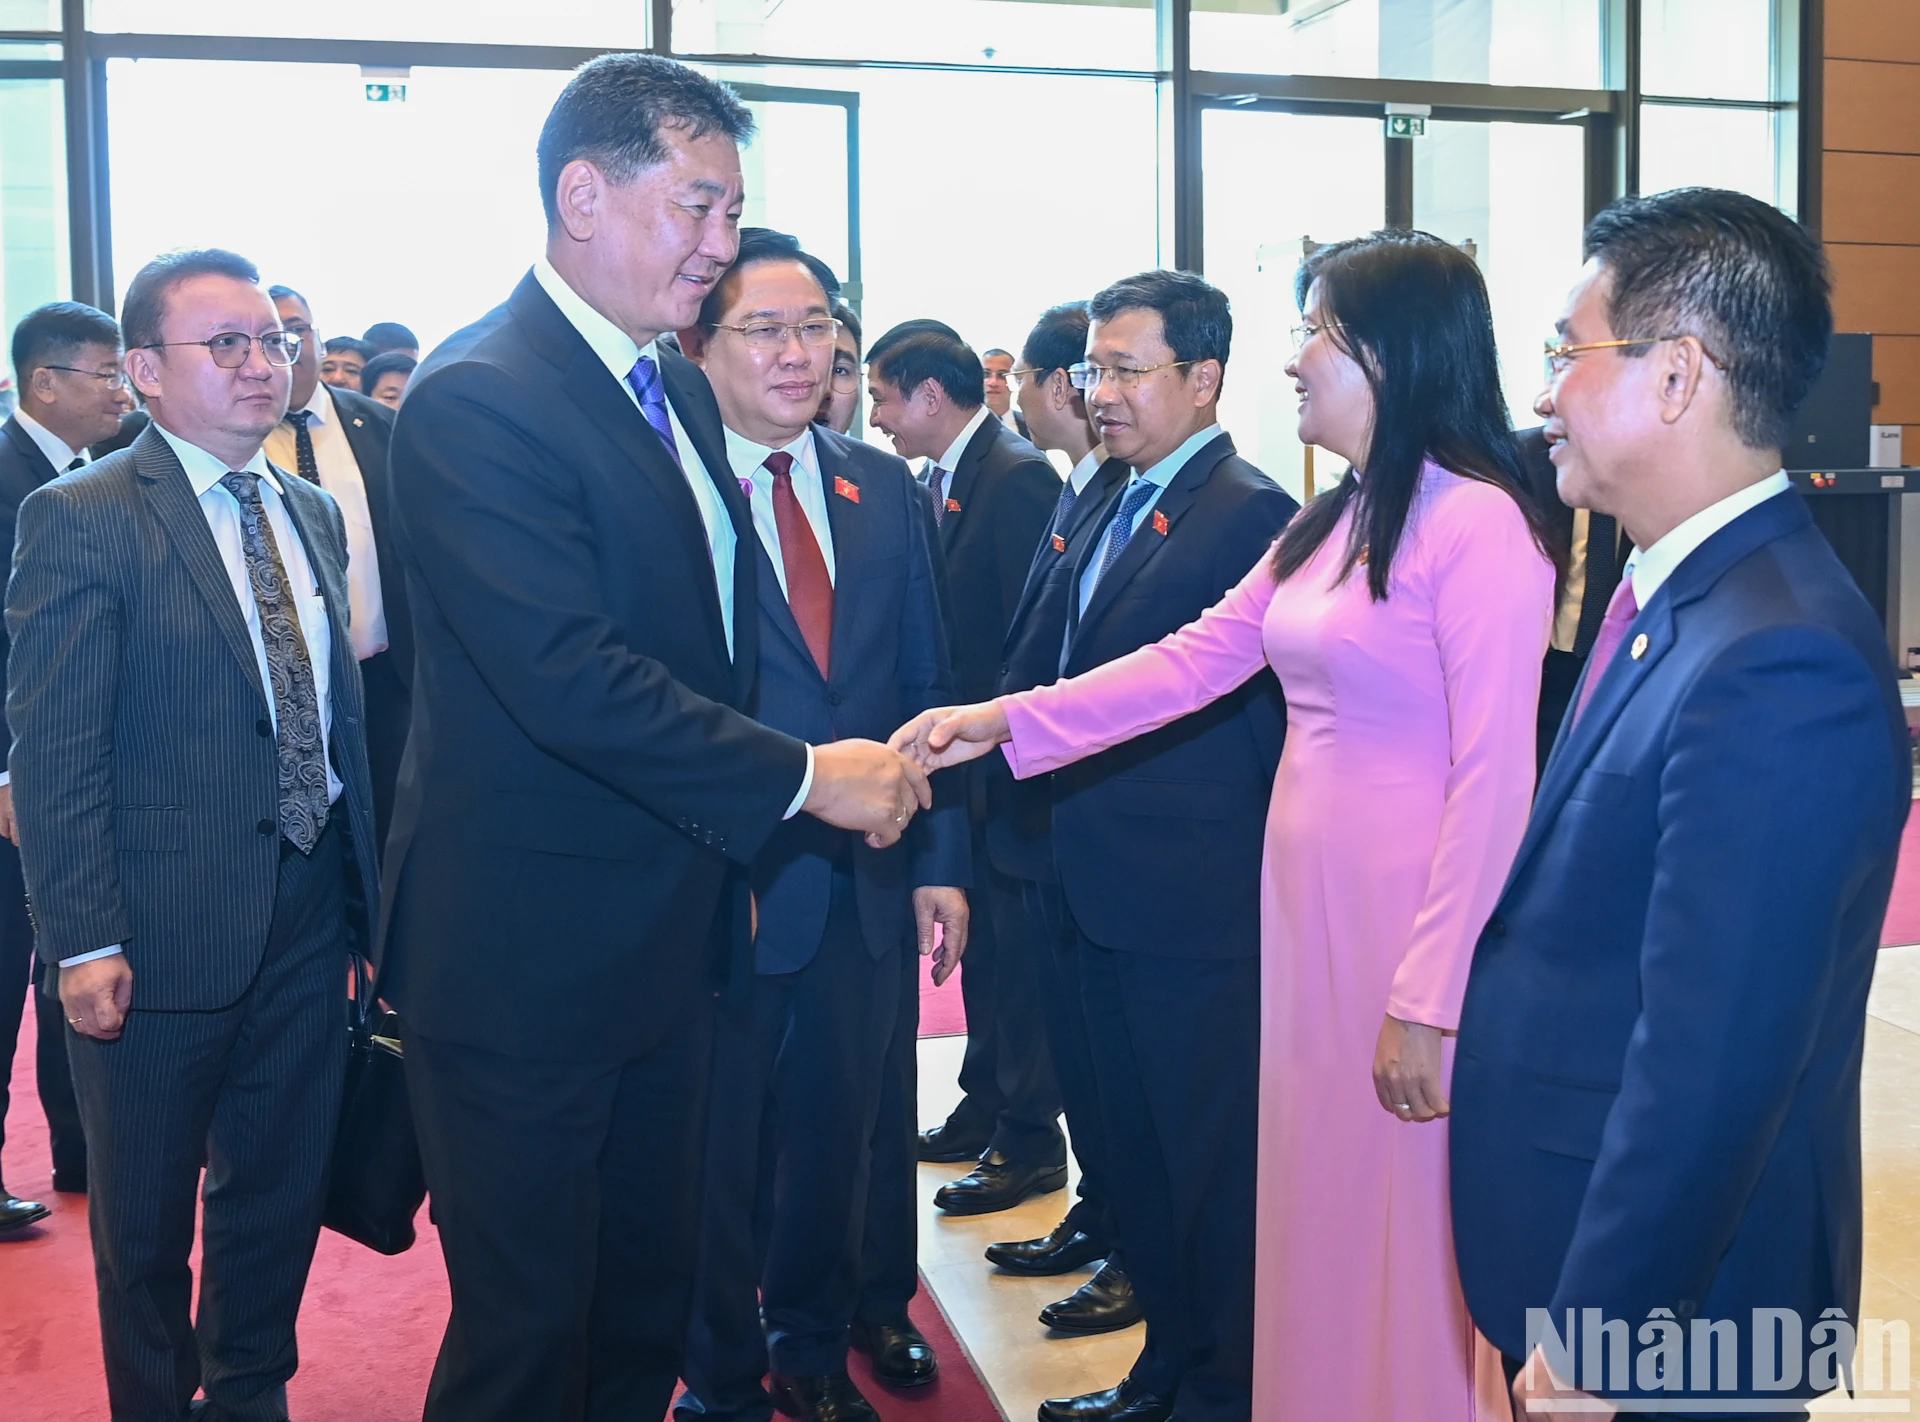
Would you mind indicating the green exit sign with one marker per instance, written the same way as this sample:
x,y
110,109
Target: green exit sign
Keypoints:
x,y
386,93
1398,125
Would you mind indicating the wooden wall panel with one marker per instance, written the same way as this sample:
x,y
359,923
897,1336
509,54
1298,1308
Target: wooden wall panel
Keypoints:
x,y
1869,107
1871,197
1873,29
1896,365
1876,289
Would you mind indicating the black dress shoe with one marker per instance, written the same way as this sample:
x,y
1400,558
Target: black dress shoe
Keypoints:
x,y
833,1398
1060,1252
1125,1403
901,1356
1101,1305
945,1144
70,1181
998,1184
18,1214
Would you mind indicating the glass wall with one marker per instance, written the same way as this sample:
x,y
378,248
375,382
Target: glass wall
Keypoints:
x,y
1711,110
553,22
1077,34
34,265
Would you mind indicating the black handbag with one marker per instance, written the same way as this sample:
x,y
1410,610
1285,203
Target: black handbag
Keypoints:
x,y
377,1183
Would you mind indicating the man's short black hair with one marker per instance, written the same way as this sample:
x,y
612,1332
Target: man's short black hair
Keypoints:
x,y
287,293
56,333
144,310
1058,340
763,244
996,350
613,111
1194,315
907,361
1741,276
390,336
843,313
337,344
386,363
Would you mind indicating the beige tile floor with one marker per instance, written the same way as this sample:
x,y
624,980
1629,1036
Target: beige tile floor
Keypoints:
x,y
994,1313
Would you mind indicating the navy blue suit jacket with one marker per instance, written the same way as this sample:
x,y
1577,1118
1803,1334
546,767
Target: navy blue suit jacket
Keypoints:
x,y
1656,1100
888,662
23,468
1158,841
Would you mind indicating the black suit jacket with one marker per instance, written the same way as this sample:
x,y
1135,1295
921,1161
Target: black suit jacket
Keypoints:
x,y
144,773
1000,499
131,424
23,468
1137,828
1020,812
580,770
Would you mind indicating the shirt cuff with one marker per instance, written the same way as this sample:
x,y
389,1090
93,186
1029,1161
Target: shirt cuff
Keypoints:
x,y
80,958
6,777
806,787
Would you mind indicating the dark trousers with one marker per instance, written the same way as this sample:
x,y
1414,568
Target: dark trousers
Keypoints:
x,y
1176,1051
1011,1097
1558,676
889,1253
21,974
567,1194
254,1090
796,1091
1072,1056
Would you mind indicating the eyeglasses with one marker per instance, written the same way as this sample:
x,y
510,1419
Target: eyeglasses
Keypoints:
x,y
1559,354
115,379
230,349
846,381
1088,377
1302,334
772,335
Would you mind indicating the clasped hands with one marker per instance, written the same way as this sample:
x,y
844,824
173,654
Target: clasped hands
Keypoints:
x,y
876,789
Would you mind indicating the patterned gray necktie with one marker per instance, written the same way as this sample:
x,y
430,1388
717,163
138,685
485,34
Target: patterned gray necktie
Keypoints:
x,y
296,705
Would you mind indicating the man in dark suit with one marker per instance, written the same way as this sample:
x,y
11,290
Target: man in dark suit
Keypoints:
x,y
195,820
338,440
1656,1101
1020,828
993,494
583,785
1591,542
66,364
851,634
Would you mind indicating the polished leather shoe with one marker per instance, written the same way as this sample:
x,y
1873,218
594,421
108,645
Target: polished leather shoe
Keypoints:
x,y
998,1184
69,1182
1060,1252
946,1144
18,1214
1125,1403
833,1398
900,1354
1103,1304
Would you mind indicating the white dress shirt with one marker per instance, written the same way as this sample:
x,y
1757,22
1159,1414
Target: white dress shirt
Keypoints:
x,y
1160,475
222,512
618,352
1082,473
340,476
59,453
750,467
1651,568
958,448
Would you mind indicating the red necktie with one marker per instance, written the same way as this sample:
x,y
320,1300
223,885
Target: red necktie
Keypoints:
x,y
1621,610
809,589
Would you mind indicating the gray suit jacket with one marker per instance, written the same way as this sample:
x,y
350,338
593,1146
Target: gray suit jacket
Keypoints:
x,y
144,774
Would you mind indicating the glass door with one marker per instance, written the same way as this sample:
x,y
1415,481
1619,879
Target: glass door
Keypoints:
x,y
35,265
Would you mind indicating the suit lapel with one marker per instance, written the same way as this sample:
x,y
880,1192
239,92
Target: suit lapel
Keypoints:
x,y
962,478
847,523
176,510
330,577
1086,504
773,602
40,468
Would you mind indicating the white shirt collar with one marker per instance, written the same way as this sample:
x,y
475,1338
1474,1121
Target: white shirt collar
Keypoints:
x,y
748,457
320,406
614,346
1163,472
959,446
205,470
1088,466
1650,568
59,453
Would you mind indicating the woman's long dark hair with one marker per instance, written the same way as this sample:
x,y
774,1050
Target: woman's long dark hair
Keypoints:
x,y
1412,310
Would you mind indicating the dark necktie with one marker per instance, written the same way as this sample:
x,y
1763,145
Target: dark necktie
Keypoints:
x,y
644,379
79,462
305,465
1062,509
296,706
1602,572
809,589
1122,532
937,486
1621,610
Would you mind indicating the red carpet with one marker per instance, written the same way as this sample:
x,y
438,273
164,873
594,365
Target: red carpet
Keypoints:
x,y
368,1331
1903,910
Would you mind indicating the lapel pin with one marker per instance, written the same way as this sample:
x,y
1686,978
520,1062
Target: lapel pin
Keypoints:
x,y
357,422
1639,647
1059,544
846,488
1160,524
953,506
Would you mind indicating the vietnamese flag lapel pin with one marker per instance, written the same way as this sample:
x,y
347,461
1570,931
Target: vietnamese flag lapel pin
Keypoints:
x,y
846,488
953,506
1160,524
1059,544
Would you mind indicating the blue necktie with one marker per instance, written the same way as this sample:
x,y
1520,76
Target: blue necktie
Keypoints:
x,y
1063,508
1121,533
644,378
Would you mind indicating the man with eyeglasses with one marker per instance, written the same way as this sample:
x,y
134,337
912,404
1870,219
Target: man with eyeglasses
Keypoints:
x,y
850,632
841,400
1168,971
196,824
66,358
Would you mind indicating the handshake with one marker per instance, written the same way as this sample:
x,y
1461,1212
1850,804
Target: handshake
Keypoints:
x,y
876,789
